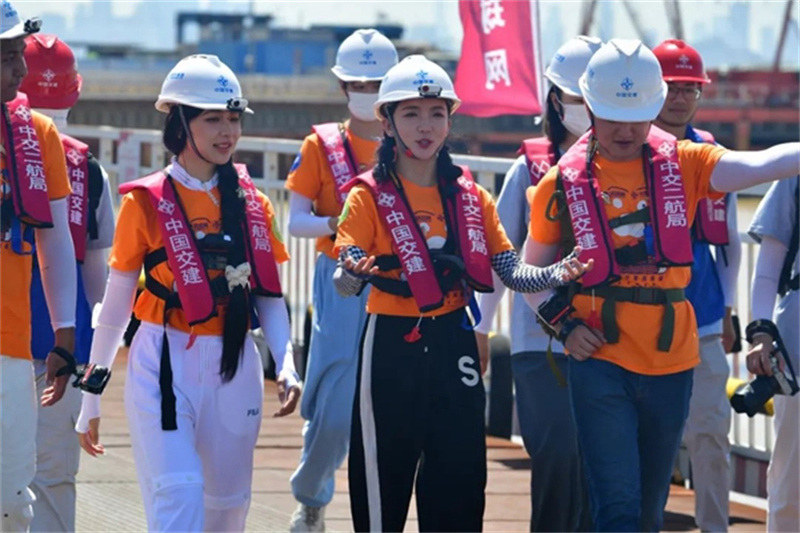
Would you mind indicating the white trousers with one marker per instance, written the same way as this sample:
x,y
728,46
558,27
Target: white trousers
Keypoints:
x,y
17,442
783,473
57,456
197,477
706,436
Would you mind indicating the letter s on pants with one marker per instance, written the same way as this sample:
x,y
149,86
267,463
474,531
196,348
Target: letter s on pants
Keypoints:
x,y
471,376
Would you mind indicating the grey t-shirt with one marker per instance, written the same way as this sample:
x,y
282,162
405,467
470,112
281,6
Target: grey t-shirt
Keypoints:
x,y
514,212
105,219
775,217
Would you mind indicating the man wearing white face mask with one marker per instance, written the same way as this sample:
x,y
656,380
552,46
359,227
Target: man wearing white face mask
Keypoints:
x,y
558,497
330,156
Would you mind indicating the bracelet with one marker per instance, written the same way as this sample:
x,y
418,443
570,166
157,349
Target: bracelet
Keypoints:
x,y
569,325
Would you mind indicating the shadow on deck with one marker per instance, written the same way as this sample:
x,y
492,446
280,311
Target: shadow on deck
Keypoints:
x,y
109,498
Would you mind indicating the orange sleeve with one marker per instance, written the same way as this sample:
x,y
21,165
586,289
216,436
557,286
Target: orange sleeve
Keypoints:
x,y
130,240
496,238
697,162
276,239
305,177
541,229
358,221
55,165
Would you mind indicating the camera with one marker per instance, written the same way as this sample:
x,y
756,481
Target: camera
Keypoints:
x,y
214,249
92,379
237,104
554,311
430,90
33,25
751,397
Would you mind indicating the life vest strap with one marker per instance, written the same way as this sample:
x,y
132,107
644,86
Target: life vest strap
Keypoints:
x,y
640,216
638,295
169,414
219,289
449,270
172,300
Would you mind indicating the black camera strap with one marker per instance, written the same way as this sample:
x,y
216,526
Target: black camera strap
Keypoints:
x,y
787,381
786,282
71,367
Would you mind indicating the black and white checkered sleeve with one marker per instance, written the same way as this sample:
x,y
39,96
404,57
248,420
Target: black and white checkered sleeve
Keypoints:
x,y
346,282
522,277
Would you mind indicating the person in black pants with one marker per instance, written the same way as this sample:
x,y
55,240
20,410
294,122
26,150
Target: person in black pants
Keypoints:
x,y
425,235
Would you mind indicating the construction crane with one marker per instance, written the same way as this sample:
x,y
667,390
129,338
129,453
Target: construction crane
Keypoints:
x,y
673,16
588,16
787,20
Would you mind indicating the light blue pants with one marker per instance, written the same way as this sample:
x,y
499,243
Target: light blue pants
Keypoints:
x,y
327,404
559,498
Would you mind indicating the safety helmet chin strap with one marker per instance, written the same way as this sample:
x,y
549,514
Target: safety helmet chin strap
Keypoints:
x,y
189,135
403,146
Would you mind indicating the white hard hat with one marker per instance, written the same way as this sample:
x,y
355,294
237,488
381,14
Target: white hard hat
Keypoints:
x,y
416,77
570,61
202,81
365,55
11,26
623,82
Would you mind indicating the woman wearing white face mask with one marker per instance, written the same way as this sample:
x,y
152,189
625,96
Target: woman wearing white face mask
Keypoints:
x,y
330,156
558,496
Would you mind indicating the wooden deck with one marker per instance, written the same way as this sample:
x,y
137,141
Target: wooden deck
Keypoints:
x,y
109,499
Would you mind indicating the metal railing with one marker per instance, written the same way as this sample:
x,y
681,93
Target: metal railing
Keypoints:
x,y
752,438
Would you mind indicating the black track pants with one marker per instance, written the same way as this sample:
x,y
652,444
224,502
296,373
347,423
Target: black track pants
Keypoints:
x,y
418,410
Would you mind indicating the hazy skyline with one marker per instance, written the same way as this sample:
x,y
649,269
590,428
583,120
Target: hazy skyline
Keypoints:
x,y
705,22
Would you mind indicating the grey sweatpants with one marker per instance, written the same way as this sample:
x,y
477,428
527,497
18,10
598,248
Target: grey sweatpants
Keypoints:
x,y
559,501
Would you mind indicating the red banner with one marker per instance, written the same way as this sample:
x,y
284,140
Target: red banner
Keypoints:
x,y
500,71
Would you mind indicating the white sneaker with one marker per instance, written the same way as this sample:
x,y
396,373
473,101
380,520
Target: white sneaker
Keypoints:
x,y
307,519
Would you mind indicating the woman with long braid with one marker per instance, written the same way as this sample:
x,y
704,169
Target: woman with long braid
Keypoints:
x,y
205,236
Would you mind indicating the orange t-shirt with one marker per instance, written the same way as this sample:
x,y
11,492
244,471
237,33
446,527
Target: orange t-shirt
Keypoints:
x,y
15,269
639,325
311,176
360,226
139,232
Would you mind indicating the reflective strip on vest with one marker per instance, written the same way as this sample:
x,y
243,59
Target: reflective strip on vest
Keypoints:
x,y
336,154
264,276
183,255
77,154
711,219
408,242
24,164
667,205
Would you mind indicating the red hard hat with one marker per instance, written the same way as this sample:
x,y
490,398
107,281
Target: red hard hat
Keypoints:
x,y
53,81
680,62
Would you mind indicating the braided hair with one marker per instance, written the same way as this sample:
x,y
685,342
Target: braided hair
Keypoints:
x,y
232,210
552,126
238,313
386,155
